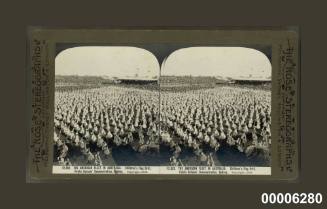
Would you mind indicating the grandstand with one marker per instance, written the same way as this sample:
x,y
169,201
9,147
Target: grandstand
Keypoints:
x,y
251,81
137,81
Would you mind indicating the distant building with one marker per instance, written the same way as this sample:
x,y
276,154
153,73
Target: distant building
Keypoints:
x,y
251,81
129,80
137,81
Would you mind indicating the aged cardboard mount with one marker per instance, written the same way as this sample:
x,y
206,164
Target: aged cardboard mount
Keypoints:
x,y
118,104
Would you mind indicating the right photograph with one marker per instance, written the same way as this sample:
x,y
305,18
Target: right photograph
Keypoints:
x,y
215,106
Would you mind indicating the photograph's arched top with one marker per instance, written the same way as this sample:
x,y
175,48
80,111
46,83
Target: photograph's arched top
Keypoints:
x,y
124,62
226,62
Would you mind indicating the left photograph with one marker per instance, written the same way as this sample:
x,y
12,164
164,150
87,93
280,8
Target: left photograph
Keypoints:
x,y
106,106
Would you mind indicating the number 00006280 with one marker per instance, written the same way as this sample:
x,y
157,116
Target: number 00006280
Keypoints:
x,y
291,198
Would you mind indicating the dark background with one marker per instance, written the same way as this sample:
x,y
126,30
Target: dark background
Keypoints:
x,y
15,16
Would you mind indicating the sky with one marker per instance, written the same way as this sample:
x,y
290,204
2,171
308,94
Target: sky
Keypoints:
x,y
234,62
107,61
115,61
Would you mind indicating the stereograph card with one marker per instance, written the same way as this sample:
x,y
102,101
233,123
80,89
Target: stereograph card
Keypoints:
x,y
114,104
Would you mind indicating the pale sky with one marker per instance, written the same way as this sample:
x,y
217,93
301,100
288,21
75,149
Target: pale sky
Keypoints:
x,y
107,61
124,61
234,62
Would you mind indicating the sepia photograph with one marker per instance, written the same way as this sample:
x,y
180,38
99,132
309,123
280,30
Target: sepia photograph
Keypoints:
x,y
106,106
162,105
216,106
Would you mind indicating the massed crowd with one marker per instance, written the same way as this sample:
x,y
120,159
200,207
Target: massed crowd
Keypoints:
x,y
93,121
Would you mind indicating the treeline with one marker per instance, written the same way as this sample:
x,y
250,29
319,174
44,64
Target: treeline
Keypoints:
x,y
79,79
